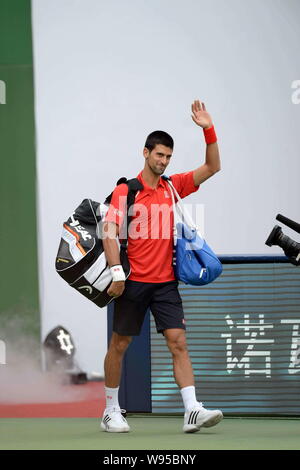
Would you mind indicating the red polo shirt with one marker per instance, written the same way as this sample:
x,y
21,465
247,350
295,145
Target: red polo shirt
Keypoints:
x,y
150,237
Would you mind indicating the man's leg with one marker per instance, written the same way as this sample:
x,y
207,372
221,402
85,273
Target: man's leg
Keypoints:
x,y
182,366
195,415
113,359
112,420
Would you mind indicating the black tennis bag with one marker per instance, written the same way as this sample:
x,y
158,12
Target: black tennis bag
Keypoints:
x,y
80,259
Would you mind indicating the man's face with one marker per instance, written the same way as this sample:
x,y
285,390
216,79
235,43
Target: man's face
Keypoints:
x,y
158,159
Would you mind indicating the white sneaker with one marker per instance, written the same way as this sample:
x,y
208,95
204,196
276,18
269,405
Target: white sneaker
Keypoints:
x,y
114,421
199,417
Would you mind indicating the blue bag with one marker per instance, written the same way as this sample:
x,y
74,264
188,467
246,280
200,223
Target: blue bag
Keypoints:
x,y
195,262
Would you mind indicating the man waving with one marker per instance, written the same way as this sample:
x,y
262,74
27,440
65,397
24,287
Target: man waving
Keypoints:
x,y
152,283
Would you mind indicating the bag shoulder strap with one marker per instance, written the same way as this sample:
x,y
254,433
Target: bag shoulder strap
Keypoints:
x,y
180,207
134,186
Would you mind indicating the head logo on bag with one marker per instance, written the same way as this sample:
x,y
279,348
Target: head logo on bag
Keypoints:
x,y
80,259
88,288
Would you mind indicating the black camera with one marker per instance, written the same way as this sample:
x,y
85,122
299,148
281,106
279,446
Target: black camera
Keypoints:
x,y
289,246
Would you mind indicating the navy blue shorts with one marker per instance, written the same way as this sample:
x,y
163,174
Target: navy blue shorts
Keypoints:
x,y
163,299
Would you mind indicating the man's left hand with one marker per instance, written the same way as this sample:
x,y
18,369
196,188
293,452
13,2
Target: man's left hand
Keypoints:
x,y
200,116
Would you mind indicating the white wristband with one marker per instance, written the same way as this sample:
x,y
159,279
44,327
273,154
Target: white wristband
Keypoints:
x,y
117,273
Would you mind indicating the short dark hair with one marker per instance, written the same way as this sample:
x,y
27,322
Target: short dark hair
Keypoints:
x,y
159,138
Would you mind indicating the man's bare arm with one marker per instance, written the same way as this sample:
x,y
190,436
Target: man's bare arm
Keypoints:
x,y
211,166
212,158
110,245
110,232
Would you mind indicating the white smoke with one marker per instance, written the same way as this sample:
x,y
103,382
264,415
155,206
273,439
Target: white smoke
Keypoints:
x,y
22,379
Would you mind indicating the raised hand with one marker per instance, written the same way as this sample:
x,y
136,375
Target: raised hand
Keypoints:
x,y
200,116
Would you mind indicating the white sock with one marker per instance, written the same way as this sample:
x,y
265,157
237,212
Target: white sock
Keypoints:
x,y
189,398
112,397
